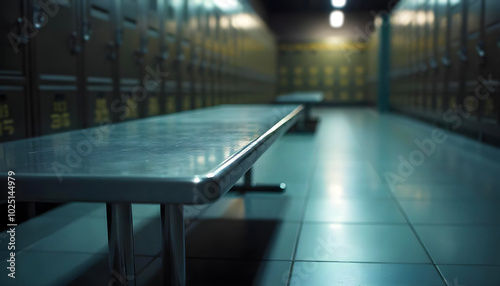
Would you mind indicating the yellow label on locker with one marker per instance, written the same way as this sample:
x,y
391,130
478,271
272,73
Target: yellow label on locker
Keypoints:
x,y
186,103
360,70
132,111
170,104
313,82
329,70
60,117
329,82
7,127
284,82
297,82
360,95
344,70
360,82
4,111
298,70
283,70
344,96
344,82
313,70
154,106
101,112
489,107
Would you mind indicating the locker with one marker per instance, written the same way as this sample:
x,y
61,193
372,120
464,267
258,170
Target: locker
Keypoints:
x,y
475,56
196,28
131,55
14,40
14,74
207,60
171,39
58,82
457,55
491,110
154,58
99,58
442,33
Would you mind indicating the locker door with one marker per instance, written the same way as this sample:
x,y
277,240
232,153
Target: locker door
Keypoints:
x,y
443,20
196,27
14,38
457,54
154,58
131,52
99,56
14,94
491,102
475,56
431,62
58,81
207,54
172,42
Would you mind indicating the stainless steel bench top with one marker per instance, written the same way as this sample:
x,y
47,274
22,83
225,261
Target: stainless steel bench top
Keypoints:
x,y
189,157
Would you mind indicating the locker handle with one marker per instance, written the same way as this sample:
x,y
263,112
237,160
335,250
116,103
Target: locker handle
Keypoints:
x,y
480,50
87,31
111,50
73,44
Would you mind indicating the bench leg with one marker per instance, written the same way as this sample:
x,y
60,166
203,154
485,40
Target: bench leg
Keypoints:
x,y
120,244
248,186
174,245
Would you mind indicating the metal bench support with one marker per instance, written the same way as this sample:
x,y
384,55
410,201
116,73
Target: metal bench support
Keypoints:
x,y
174,245
248,186
120,244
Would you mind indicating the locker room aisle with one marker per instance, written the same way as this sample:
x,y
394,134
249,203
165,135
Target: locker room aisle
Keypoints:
x,y
339,222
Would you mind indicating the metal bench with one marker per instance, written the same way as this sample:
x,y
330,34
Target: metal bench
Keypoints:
x,y
308,99
191,157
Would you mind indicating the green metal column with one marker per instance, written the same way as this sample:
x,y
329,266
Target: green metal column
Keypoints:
x,y
384,64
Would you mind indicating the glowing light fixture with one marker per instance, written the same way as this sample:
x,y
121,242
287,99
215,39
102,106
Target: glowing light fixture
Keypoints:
x,y
337,19
338,3
227,5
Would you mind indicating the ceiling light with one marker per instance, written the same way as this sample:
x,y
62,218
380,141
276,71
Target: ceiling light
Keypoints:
x,y
337,19
338,3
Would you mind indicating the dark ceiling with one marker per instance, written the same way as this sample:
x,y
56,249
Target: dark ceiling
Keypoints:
x,y
300,6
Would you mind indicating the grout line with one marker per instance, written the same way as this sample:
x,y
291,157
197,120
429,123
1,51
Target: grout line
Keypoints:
x,y
307,197
407,218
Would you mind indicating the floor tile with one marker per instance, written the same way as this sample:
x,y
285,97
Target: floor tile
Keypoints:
x,y
208,272
442,192
329,189
353,211
464,275
359,243
243,240
369,274
462,244
452,212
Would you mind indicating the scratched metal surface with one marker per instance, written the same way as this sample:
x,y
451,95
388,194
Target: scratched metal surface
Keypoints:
x,y
150,157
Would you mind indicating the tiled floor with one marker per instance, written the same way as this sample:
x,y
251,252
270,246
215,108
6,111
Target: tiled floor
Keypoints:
x,y
371,200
